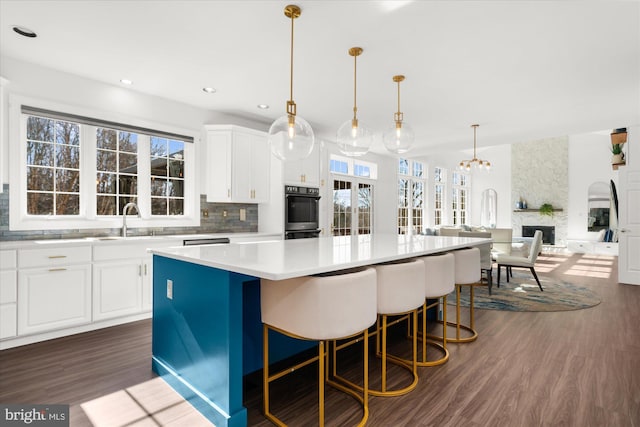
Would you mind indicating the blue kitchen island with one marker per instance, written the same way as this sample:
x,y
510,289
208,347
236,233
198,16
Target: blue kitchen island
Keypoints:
x,y
206,306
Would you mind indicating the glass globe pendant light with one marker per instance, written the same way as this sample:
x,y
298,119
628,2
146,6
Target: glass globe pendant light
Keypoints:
x,y
399,138
353,138
475,162
290,136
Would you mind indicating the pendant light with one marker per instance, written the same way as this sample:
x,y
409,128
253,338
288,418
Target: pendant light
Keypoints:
x,y
353,138
475,162
290,136
399,138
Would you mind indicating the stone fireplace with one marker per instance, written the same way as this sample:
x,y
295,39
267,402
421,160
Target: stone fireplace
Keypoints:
x,y
548,232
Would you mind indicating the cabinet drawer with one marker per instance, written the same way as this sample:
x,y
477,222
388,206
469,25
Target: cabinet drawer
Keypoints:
x,y
7,259
8,286
51,257
8,321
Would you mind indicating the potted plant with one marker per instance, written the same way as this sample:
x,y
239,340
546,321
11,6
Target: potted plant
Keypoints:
x,y
546,209
618,155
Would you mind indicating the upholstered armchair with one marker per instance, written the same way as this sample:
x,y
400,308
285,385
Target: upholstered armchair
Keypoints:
x,y
529,261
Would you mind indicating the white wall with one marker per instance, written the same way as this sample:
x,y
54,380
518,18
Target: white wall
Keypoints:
x,y
498,178
110,101
589,162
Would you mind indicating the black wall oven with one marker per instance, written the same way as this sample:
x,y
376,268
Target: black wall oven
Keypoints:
x,y
301,207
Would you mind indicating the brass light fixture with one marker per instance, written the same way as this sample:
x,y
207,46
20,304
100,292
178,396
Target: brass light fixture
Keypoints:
x,y
353,138
399,138
290,136
475,162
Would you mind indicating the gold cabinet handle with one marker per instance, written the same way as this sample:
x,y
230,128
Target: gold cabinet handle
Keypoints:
x,y
57,269
228,192
57,256
145,269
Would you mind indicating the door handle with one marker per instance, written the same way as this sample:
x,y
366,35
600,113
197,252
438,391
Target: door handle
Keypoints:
x,y
624,230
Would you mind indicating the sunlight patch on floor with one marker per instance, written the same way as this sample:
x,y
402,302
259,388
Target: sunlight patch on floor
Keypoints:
x,y
151,403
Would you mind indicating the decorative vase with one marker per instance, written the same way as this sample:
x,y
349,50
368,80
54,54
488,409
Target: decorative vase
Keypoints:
x,y
617,158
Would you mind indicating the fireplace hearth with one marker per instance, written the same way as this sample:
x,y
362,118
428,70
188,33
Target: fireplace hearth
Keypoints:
x,y
548,232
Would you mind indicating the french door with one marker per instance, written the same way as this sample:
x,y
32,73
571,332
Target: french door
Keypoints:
x,y
352,211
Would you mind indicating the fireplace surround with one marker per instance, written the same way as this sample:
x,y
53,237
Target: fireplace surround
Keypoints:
x,y
548,232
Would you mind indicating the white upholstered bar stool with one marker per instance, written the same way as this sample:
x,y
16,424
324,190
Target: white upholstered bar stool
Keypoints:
x,y
439,282
400,293
320,308
467,273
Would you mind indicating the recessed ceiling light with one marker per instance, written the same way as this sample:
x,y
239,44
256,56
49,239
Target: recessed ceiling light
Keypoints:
x,y
126,82
263,106
23,31
209,89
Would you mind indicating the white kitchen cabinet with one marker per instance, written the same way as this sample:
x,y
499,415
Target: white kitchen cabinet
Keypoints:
x,y
8,294
53,297
122,279
117,289
237,165
305,171
54,288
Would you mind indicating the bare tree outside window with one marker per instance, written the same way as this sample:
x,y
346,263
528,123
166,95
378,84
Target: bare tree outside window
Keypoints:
x,y
116,170
53,167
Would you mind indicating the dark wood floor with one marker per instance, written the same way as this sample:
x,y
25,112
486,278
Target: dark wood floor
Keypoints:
x,y
572,368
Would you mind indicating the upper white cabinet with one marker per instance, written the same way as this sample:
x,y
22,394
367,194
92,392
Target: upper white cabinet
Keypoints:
x,y
237,165
305,171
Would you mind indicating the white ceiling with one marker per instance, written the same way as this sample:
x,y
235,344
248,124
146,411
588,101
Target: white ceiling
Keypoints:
x,y
522,70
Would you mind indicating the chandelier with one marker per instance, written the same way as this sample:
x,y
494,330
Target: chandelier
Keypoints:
x,y
475,162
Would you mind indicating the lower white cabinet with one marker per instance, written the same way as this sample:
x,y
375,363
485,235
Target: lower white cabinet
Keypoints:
x,y
117,289
53,298
8,294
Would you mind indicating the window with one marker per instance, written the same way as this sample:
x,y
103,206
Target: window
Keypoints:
x,y
352,167
411,196
116,170
53,167
74,171
438,195
459,201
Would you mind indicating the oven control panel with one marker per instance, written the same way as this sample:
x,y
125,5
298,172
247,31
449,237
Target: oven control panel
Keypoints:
x,y
301,191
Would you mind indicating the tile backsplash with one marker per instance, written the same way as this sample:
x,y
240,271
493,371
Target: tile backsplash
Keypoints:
x,y
214,218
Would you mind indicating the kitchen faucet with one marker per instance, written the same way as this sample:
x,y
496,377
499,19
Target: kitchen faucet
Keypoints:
x,y
124,216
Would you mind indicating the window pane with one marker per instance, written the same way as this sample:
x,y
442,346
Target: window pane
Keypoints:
x,y
67,133
128,185
67,204
158,147
40,203
418,169
176,206
40,179
128,163
176,149
107,183
128,142
176,168
40,154
107,161
175,188
403,167
158,187
40,129
67,181
158,206
106,205
106,139
159,166
68,156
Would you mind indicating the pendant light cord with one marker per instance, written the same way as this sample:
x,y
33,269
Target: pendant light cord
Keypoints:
x,y
355,67
291,62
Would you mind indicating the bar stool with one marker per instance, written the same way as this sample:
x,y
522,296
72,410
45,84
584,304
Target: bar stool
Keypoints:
x,y
439,282
319,308
400,293
467,273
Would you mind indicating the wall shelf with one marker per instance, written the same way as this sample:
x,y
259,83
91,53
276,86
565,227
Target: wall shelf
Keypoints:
x,y
535,210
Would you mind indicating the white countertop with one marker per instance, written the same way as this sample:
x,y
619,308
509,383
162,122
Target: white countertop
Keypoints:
x,y
111,240
284,259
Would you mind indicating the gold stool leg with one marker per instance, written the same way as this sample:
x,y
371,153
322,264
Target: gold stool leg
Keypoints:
x,y
265,368
321,361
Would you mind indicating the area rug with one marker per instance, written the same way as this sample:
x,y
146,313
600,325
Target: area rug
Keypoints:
x,y
522,294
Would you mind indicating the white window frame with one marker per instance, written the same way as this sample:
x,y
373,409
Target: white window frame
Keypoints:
x,y
20,220
443,203
351,164
459,189
411,179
